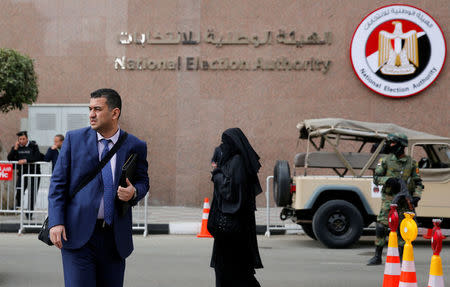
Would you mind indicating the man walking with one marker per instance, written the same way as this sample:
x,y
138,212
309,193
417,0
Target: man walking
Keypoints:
x,y
390,170
94,237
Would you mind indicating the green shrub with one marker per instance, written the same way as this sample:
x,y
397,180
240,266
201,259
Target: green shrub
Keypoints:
x,y
18,81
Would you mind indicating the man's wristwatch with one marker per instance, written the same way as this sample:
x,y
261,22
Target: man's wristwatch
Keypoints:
x,y
135,193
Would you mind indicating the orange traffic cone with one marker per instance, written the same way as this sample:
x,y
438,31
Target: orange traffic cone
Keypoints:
x,y
392,266
408,228
436,278
204,230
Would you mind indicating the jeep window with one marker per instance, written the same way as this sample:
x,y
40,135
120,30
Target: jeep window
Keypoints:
x,y
432,155
443,153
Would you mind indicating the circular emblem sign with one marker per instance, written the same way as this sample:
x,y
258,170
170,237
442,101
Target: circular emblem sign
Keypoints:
x,y
398,50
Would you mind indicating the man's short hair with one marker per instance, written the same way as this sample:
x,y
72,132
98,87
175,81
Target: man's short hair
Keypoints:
x,y
60,136
113,99
22,133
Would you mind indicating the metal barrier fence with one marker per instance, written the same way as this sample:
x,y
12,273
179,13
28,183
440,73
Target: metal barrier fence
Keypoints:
x,y
28,206
10,194
27,197
140,215
274,227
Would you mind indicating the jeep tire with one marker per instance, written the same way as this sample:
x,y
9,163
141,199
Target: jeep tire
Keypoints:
x,y
282,183
337,224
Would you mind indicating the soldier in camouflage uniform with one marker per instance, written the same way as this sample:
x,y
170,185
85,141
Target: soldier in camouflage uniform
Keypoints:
x,y
395,166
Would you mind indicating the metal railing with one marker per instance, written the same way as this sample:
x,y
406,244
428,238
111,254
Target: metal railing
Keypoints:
x,y
28,206
274,227
10,190
140,215
33,190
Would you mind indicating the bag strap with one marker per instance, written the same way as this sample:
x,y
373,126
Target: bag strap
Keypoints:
x,y
89,177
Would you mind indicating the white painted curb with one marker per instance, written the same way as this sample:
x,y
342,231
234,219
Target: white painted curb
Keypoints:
x,y
184,227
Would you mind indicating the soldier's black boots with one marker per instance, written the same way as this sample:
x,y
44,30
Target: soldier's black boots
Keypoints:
x,y
376,260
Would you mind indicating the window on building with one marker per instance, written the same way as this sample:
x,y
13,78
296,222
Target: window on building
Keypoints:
x,y
47,120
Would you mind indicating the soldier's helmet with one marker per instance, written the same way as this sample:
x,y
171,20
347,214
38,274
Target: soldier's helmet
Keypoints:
x,y
398,138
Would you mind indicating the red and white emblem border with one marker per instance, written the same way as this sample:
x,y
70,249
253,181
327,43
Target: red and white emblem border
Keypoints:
x,y
421,81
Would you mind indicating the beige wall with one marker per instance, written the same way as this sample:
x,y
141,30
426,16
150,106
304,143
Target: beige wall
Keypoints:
x,y
181,114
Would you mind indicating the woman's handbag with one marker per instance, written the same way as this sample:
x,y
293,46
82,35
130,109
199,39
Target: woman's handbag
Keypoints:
x,y
223,223
44,233
218,221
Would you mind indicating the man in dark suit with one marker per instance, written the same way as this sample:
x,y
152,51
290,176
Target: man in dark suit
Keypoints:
x,y
53,151
94,239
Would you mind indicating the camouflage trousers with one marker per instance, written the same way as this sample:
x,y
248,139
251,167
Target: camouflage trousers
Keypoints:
x,y
383,218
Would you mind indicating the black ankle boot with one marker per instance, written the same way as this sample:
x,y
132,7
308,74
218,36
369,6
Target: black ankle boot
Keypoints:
x,y
376,260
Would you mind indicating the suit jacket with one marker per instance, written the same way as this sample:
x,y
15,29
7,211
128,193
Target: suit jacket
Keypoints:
x,y
78,157
51,155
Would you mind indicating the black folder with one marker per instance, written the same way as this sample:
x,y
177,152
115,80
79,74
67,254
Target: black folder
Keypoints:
x,y
128,171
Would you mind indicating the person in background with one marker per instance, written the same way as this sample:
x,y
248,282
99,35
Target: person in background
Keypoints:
x,y
26,152
53,151
235,254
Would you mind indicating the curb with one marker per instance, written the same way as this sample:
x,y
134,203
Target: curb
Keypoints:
x,y
173,228
193,228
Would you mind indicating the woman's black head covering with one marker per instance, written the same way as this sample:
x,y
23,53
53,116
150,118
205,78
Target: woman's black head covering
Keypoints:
x,y
234,142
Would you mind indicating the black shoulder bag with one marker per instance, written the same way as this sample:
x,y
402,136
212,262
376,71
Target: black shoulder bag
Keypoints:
x,y
220,223
44,233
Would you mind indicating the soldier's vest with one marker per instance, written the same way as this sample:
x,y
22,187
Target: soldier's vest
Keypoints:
x,y
400,168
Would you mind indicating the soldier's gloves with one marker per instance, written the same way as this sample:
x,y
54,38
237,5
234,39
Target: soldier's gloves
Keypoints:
x,y
415,201
393,183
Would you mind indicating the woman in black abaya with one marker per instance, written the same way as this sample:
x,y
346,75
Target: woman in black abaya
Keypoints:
x,y
235,253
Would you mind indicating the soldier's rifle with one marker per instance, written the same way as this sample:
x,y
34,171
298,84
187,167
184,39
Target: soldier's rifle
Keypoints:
x,y
404,193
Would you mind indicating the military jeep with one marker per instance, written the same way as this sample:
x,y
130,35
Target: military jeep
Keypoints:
x,y
331,192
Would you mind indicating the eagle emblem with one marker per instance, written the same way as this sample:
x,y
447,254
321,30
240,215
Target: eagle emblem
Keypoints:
x,y
398,51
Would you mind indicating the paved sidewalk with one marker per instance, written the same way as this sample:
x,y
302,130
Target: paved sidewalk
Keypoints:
x,y
166,214
187,220
176,219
